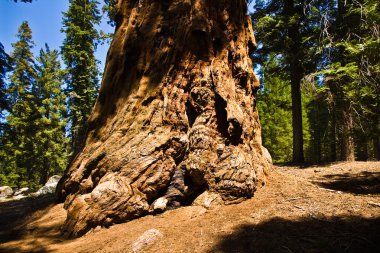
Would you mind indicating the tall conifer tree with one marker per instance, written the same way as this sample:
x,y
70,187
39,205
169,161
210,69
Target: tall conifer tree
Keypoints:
x,y
78,53
50,136
278,26
4,68
20,143
290,30
274,103
356,74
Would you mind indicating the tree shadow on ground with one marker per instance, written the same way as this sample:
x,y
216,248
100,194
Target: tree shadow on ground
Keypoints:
x,y
336,234
362,183
13,213
34,247
14,216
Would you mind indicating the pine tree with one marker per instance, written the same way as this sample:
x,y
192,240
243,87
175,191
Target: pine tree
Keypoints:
x,y
78,54
362,47
4,68
291,29
20,145
284,30
353,75
274,104
340,80
22,79
50,136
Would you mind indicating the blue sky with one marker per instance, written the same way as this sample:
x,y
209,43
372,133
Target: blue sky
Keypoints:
x,y
45,20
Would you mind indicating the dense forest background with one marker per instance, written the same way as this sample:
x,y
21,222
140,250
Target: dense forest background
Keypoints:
x,y
318,61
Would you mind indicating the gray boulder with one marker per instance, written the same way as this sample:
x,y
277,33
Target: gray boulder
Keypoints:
x,y
267,155
21,191
49,187
20,196
5,192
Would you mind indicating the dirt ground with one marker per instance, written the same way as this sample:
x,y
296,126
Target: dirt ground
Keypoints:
x,y
332,208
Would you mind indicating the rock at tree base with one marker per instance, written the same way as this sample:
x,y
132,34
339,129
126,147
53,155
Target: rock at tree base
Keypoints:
x,y
176,115
160,204
208,200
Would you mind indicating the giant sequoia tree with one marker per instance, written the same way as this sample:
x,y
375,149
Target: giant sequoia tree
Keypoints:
x,y
176,114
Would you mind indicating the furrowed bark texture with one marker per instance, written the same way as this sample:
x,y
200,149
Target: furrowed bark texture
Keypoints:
x,y
175,117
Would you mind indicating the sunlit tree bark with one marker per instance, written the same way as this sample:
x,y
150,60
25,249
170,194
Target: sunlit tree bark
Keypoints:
x,y
176,115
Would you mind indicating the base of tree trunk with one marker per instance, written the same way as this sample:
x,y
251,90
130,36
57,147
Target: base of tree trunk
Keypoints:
x,y
176,115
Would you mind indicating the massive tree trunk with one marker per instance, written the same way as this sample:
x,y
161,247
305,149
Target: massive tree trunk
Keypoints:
x,y
176,115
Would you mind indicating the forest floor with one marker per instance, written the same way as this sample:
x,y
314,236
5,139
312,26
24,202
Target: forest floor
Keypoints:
x,y
331,208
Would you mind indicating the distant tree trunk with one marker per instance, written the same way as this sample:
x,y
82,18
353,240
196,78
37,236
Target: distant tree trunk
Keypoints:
x,y
365,150
344,109
361,145
333,135
298,156
176,115
347,140
376,138
45,166
317,132
43,176
364,153
296,74
376,147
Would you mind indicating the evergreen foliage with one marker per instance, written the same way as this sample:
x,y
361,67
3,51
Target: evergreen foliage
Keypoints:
x,y
18,141
274,103
50,138
338,48
286,30
351,83
360,47
275,107
78,54
33,141
109,8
